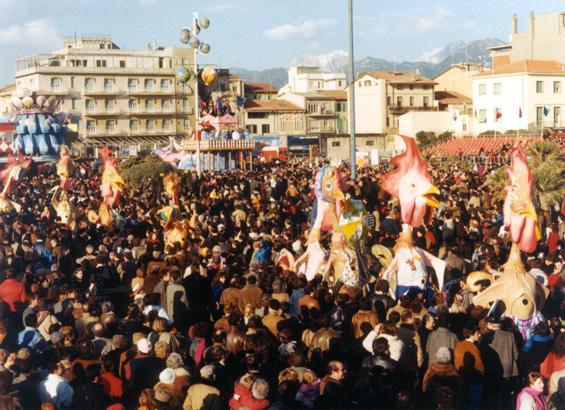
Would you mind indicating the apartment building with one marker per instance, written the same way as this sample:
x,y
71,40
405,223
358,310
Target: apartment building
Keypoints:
x,y
544,39
122,97
527,94
260,91
302,79
6,93
458,78
381,97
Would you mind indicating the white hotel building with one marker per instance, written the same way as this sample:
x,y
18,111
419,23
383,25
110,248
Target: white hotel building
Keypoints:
x,y
524,95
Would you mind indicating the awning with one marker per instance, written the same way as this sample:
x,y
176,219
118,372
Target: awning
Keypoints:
x,y
126,140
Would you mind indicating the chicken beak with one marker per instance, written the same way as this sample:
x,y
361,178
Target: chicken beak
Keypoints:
x,y
339,195
430,200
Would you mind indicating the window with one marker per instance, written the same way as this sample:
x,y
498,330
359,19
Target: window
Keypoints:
x,y
556,116
496,89
399,101
89,84
539,87
133,125
282,124
73,103
256,115
110,126
122,64
359,84
400,87
336,143
252,128
132,105
56,83
89,105
132,84
482,89
411,101
109,105
339,83
389,100
186,125
166,105
370,142
482,116
411,87
167,125
150,125
367,83
90,126
108,84
149,105
185,105
539,116
165,84
557,87
72,83
426,101
148,85
265,128
100,63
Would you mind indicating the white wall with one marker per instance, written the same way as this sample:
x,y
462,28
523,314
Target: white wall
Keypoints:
x,y
516,90
412,122
370,106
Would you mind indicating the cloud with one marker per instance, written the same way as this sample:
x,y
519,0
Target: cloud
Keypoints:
x,y
432,56
36,33
221,7
417,20
330,62
305,30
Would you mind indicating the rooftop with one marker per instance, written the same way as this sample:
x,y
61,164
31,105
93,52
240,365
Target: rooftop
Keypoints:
x,y
528,66
260,88
339,95
398,78
451,97
271,105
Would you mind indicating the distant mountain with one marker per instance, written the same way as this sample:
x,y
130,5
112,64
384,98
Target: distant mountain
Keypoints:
x,y
432,63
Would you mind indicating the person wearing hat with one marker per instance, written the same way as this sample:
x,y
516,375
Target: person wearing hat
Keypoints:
x,y
198,392
143,370
165,391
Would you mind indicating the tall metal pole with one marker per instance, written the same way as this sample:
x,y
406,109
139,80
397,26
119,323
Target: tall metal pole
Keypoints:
x,y
351,107
197,133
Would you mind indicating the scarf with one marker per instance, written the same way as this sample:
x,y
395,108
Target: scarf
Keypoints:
x,y
536,395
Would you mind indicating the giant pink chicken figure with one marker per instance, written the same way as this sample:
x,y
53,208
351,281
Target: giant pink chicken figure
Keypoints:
x,y
411,184
522,295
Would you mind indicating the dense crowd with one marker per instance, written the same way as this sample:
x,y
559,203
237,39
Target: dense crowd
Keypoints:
x,y
97,318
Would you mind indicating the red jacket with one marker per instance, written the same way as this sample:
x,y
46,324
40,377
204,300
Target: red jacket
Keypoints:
x,y
12,291
112,385
242,398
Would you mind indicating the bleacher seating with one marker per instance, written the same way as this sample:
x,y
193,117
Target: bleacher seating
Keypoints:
x,y
474,146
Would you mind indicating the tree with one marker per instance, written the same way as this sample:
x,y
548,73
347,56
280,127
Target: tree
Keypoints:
x,y
135,171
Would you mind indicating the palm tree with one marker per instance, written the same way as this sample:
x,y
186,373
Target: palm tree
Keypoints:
x,y
497,181
542,152
548,184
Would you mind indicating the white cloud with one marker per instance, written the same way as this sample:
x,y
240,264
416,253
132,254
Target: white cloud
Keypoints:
x,y
329,62
305,30
36,33
432,56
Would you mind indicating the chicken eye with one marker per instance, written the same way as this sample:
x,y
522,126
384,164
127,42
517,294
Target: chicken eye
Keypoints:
x,y
328,185
412,185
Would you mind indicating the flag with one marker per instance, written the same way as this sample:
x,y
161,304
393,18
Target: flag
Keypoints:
x,y
519,112
545,111
240,101
455,115
219,105
498,114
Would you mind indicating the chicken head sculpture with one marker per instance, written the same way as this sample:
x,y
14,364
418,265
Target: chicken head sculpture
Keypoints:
x,y
65,167
411,183
327,203
171,183
14,171
522,295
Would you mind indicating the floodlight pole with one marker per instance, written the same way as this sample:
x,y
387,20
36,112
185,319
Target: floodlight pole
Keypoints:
x,y
197,133
351,107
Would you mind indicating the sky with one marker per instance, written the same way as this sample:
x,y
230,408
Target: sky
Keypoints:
x,y
260,34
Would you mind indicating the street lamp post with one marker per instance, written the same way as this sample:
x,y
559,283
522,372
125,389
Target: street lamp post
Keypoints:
x,y
189,36
351,108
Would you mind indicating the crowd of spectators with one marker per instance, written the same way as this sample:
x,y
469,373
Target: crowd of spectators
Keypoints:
x,y
99,318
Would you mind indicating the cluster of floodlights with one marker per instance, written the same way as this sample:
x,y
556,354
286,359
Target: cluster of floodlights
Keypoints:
x,y
189,36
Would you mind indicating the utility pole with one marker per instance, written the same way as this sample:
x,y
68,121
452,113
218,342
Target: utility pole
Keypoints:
x,y
351,107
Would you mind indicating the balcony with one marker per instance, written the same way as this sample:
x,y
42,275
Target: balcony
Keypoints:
x,y
322,113
321,130
93,91
54,91
103,113
140,112
396,109
219,145
152,91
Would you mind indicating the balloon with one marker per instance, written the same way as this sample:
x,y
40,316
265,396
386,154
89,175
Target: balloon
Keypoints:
x,y
28,102
16,102
209,75
184,74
